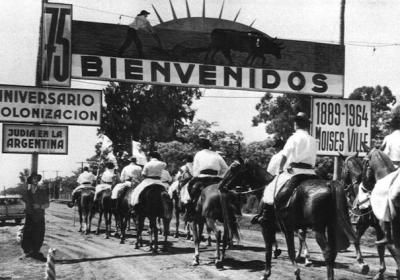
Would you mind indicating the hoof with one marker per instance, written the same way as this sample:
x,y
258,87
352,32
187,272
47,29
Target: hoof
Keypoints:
x,y
106,237
266,275
308,263
380,276
87,232
122,242
97,233
364,269
218,265
80,230
277,253
136,246
117,235
176,235
297,274
196,261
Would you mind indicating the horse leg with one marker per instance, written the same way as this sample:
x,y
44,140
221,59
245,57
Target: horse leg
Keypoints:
x,y
91,213
166,232
176,219
303,240
361,227
106,221
196,240
153,231
139,228
395,252
328,248
123,221
269,238
80,218
381,252
289,236
99,222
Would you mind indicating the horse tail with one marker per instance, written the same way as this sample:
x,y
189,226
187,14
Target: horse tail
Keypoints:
x,y
228,214
344,230
166,205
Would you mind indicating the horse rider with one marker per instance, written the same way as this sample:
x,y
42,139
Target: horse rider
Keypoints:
x,y
36,201
391,147
391,142
166,178
85,180
208,168
299,155
151,173
185,172
130,177
108,179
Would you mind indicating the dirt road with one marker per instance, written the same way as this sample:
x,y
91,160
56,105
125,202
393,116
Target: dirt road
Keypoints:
x,y
93,257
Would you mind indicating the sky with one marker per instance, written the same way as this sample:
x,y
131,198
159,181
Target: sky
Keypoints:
x,y
372,56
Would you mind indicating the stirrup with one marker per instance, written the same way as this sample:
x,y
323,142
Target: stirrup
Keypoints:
x,y
383,241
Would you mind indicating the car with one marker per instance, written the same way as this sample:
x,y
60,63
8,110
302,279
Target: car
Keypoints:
x,y
12,207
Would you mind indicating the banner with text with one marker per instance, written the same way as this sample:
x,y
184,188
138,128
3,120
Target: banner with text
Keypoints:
x,y
50,105
208,76
27,139
191,51
341,125
56,45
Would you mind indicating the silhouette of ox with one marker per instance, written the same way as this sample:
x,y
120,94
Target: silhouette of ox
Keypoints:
x,y
255,44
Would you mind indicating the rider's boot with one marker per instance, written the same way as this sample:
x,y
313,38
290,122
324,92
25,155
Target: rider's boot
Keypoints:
x,y
262,215
71,203
387,238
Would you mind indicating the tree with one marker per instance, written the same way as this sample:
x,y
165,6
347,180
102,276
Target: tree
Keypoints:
x,y
145,113
278,112
382,100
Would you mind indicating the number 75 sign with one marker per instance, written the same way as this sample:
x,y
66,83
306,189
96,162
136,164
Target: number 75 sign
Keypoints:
x,y
341,125
56,45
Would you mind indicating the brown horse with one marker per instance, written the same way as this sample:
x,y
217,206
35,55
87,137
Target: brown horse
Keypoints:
x,y
154,202
377,165
314,204
352,177
105,208
85,208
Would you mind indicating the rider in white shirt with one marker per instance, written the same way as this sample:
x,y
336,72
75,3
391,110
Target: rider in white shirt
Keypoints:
x,y
391,143
108,179
130,177
85,179
299,155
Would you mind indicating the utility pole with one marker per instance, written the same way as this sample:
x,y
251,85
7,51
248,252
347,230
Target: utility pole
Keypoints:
x,y
81,162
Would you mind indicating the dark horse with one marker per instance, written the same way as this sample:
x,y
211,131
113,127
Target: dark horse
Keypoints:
x,y
154,202
85,208
352,177
377,165
123,211
209,210
105,208
314,205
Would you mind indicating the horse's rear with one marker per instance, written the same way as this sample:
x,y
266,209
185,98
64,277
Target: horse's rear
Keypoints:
x,y
154,202
85,208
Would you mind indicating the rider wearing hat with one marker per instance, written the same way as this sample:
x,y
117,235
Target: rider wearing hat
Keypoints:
x,y
36,201
130,177
85,180
299,155
208,169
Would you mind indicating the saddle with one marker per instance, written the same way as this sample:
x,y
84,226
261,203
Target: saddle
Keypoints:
x,y
288,192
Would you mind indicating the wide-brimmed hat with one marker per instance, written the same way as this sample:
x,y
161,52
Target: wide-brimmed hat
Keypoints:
x,y
302,117
143,13
33,175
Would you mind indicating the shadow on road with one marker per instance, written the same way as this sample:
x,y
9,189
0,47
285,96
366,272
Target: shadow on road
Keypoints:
x,y
252,265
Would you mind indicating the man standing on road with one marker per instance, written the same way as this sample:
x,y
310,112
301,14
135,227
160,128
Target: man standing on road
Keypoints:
x,y
85,180
36,201
140,23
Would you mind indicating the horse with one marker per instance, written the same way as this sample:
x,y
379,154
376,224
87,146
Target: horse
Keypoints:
x,y
105,208
315,204
154,202
207,211
123,211
377,165
85,208
351,177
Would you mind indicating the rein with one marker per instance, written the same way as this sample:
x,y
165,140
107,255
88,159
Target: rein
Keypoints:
x,y
252,191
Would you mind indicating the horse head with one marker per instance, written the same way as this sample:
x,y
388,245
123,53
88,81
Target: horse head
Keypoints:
x,y
245,173
351,174
376,165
